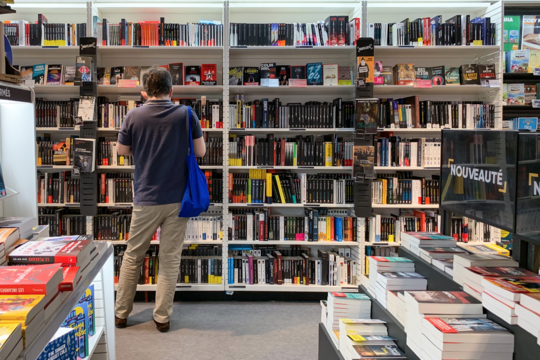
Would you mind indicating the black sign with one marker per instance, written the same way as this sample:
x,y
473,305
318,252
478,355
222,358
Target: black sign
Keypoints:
x,y
88,46
15,94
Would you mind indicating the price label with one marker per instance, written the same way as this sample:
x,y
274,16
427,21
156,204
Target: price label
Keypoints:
x,y
535,103
536,71
494,83
124,83
270,82
30,83
297,82
424,84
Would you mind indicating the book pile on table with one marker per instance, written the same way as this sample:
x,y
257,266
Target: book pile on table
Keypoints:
x,y
461,262
23,224
8,238
387,281
63,342
475,274
386,264
431,254
395,304
502,295
11,341
528,312
449,306
366,338
345,306
414,241
484,249
446,265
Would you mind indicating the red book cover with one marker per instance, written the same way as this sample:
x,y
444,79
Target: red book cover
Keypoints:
x,y
279,277
208,74
147,269
30,280
71,279
47,252
422,216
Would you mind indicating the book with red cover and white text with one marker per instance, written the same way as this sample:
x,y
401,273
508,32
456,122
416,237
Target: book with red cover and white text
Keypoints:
x,y
67,253
31,280
72,276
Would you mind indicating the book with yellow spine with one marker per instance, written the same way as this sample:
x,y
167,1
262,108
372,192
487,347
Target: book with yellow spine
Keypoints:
x,y
10,336
20,307
278,181
327,154
269,187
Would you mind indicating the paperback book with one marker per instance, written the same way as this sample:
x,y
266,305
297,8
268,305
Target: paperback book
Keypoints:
x,y
38,74
268,71
530,31
132,73
344,75
193,75
367,114
208,74
469,74
78,320
284,74
32,279
236,76
117,73
298,72
452,76
84,154
314,73
84,68
62,346
437,75
330,74
251,76
54,74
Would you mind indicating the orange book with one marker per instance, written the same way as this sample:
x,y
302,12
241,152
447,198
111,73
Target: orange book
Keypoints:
x,y
332,236
422,216
147,269
230,188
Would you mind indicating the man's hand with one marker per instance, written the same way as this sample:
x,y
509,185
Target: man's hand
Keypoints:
x,y
124,150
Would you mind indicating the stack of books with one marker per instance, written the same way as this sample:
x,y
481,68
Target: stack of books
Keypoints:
x,y
8,237
345,306
501,295
416,240
474,276
386,264
426,304
62,342
430,254
11,342
528,312
461,262
361,339
470,338
446,265
388,281
484,249
395,304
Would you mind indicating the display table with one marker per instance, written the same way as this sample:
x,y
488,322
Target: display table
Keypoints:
x,y
102,344
327,349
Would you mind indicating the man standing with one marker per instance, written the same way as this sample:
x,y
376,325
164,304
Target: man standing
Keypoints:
x,y
157,135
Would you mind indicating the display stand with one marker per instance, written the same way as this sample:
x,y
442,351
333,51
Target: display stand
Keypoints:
x,y
327,348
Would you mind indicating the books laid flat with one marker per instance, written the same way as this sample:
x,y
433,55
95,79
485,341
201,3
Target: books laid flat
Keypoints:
x,y
440,252
485,249
72,276
23,308
379,351
64,340
468,330
67,253
31,280
416,240
24,224
463,261
389,264
529,318
10,335
442,302
511,288
346,305
500,307
531,302
8,236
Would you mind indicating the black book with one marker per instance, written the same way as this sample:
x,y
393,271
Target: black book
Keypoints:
x,y
469,74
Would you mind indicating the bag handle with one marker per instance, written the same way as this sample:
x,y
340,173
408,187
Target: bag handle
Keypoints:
x,y
190,119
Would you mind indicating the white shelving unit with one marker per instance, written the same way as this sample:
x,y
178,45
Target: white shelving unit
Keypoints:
x,y
225,57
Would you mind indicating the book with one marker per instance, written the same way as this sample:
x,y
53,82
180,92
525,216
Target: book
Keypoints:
x,y
54,74
117,73
403,74
451,76
208,74
84,69
132,73
330,74
437,75
87,107
530,93
193,75
469,330
314,73
84,152
88,298
344,75
485,248
298,72
8,236
517,61
268,71
67,253
529,32
78,320
31,279
377,70
236,76
23,308
62,346
24,224
441,252
515,94
251,76
511,288
367,114
387,75
379,351
422,73
511,35
283,74
534,60
10,336
69,75
26,72
177,73
363,162
145,69
486,71
469,74
38,74
442,302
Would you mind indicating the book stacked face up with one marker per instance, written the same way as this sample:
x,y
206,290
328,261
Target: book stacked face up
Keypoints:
x,y
28,294
395,304
464,261
366,339
433,254
345,306
484,249
528,312
451,325
415,241
379,264
393,281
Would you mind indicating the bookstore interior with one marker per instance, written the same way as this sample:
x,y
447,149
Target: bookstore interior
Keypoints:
x,y
372,165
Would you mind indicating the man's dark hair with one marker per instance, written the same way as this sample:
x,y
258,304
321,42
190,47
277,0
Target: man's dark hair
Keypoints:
x,y
157,81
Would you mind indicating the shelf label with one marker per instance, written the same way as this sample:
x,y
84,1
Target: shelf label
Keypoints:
x,y
123,83
306,167
304,47
141,46
239,47
265,167
297,82
494,83
270,82
294,129
424,84
183,286
49,47
536,71
535,103
66,128
255,204
237,286
313,205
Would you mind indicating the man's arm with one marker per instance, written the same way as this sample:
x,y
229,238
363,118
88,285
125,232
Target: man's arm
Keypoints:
x,y
199,147
126,150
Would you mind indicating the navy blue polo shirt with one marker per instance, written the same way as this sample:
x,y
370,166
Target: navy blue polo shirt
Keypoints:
x,y
158,134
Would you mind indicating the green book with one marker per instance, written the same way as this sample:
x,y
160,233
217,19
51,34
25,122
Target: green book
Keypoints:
x,y
452,76
249,191
511,29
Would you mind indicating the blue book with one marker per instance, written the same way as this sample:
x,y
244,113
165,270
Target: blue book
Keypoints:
x,y
38,74
88,298
314,73
63,346
338,222
315,225
526,123
78,320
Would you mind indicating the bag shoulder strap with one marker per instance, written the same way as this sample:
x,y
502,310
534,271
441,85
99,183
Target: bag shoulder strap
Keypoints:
x,y
190,119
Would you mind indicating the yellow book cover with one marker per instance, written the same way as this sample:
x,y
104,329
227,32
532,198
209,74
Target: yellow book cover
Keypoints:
x,y
7,330
280,189
269,185
500,250
328,229
17,307
384,188
367,265
534,60
327,154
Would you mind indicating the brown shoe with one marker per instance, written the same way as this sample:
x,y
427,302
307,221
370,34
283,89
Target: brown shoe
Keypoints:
x,y
162,327
120,323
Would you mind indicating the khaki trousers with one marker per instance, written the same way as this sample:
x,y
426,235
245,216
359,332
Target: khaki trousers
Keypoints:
x,y
144,223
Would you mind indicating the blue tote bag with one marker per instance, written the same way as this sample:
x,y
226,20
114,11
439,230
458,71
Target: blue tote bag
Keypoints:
x,y
196,198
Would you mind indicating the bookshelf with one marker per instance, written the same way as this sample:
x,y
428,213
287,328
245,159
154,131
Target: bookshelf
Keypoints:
x,y
227,56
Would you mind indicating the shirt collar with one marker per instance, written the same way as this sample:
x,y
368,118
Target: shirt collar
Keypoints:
x,y
158,102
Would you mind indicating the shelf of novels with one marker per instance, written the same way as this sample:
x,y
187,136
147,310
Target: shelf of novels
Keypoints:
x,y
405,206
321,131
289,90
101,262
290,288
181,287
186,242
75,205
177,90
278,205
293,242
299,168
